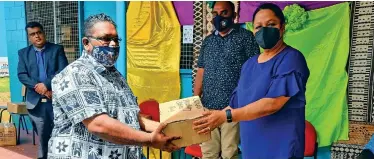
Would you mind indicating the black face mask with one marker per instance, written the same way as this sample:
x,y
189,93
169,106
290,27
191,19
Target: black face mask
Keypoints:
x,y
267,37
222,23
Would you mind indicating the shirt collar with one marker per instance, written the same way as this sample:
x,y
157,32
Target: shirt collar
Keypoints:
x,y
37,50
98,67
216,32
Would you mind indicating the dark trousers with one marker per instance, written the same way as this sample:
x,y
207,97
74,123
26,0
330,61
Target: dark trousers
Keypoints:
x,y
42,116
366,154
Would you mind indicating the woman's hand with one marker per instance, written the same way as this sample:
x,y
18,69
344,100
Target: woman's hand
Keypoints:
x,y
228,107
210,121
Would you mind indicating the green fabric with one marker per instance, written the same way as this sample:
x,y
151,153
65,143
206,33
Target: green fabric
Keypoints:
x,y
324,41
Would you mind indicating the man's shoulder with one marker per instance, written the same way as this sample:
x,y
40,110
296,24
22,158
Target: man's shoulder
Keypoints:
x,y
53,45
25,48
244,32
209,37
76,68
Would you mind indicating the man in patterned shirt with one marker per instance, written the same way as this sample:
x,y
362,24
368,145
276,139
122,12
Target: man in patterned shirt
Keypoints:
x,y
96,114
221,57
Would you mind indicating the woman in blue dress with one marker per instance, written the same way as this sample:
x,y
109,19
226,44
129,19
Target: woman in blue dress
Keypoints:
x,y
269,101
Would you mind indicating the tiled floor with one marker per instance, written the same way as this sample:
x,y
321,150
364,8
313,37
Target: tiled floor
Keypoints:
x,y
25,150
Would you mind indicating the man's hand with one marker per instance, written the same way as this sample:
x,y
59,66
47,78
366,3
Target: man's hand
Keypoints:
x,y
48,94
40,88
163,142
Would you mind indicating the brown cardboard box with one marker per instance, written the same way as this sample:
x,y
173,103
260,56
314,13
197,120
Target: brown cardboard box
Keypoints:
x,y
179,116
8,134
19,108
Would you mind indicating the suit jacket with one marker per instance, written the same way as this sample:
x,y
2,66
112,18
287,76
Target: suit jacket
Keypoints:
x,y
28,73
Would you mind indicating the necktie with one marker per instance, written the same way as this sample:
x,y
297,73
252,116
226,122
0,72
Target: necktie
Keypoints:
x,y
42,74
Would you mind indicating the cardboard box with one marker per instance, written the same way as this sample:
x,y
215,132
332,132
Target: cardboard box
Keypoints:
x,y
179,116
8,134
19,108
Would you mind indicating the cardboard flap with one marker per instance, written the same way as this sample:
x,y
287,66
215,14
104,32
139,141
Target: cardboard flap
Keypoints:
x,y
184,115
187,108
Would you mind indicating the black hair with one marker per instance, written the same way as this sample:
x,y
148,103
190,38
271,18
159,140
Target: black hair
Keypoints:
x,y
33,25
277,11
232,5
93,19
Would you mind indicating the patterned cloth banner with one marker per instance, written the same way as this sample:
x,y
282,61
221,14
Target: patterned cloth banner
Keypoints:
x,y
324,41
361,64
153,52
248,7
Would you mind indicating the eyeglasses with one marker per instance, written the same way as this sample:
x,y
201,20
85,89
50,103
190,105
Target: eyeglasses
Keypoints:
x,y
36,33
106,40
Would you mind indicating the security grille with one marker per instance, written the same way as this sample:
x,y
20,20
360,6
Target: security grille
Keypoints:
x,y
186,48
60,22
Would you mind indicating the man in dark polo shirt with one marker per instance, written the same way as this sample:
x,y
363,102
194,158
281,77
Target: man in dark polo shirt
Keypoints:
x,y
221,57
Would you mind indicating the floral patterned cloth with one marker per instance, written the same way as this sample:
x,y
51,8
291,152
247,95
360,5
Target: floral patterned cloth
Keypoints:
x,y
83,89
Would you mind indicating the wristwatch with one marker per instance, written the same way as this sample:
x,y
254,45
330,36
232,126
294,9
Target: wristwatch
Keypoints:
x,y
228,115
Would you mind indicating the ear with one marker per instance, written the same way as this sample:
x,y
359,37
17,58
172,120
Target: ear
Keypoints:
x,y
86,44
283,28
235,15
85,41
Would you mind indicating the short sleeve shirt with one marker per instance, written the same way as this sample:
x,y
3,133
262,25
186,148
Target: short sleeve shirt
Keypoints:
x,y
280,135
222,59
83,89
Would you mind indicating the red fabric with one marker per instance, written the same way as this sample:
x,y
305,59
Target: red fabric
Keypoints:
x,y
310,139
194,150
150,107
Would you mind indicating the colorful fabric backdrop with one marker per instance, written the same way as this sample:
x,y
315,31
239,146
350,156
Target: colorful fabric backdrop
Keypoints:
x,y
153,52
184,11
248,7
324,41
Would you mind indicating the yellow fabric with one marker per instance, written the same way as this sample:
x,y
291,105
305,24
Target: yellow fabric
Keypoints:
x,y
155,153
153,54
153,50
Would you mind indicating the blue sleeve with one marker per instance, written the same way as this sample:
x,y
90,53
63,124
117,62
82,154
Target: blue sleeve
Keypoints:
x,y
370,145
234,100
22,72
290,78
288,85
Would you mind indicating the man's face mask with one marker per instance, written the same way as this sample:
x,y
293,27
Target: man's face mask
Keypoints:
x,y
267,37
221,23
106,55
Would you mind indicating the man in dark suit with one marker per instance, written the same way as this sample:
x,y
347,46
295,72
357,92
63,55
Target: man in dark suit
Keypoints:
x,y
37,65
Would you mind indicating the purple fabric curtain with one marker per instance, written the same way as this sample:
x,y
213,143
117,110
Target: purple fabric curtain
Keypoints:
x,y
247,8
184,11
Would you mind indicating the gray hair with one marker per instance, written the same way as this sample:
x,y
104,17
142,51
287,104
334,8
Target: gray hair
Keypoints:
x,y
93,19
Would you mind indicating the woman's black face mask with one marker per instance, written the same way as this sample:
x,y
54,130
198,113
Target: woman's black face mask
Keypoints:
x,y
267,37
